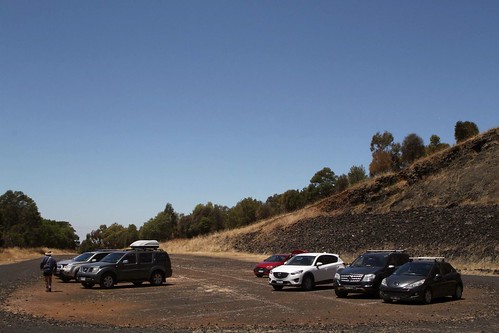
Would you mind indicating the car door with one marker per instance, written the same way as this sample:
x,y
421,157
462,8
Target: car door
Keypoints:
x,y
450,281
127,267
324,273
438,284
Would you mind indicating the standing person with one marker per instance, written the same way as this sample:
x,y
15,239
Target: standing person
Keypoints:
x,y
48,266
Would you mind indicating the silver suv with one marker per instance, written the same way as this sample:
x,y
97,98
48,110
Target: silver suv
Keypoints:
x,y
143,262
67,269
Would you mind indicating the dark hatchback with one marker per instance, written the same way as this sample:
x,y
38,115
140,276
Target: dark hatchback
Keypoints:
x,y
422,279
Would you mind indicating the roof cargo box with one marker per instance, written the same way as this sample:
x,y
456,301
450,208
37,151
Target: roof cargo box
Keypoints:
x,y
145,244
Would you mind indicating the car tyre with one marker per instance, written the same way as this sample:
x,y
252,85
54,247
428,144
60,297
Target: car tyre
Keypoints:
x,y
277,288
341,293
458,293
87,285
156,278
107,281
307,283
427,296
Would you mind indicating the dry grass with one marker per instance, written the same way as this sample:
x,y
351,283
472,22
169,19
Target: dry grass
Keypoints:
x,y
16,254
214,246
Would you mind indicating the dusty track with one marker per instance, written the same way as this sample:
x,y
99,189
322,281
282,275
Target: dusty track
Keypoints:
x,y
219,294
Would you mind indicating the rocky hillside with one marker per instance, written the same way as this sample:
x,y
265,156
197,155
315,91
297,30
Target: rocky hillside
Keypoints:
x,y
446,204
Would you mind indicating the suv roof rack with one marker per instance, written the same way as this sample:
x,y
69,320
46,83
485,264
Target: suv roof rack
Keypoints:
x,y
428,258
385,251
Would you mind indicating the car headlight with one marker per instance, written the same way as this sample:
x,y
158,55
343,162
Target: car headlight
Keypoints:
x,y
383,283
94,269
270,267
415,284
337,276
296,273
368,277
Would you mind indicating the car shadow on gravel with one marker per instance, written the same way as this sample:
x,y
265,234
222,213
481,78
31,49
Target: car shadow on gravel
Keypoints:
x,y
129,286
442,300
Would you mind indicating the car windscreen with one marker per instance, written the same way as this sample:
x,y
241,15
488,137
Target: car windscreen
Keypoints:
x,y
275,258
113,257
414,268
370,260
301,261
83,257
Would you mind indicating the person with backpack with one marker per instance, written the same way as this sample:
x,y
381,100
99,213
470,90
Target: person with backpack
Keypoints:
x,y
48,266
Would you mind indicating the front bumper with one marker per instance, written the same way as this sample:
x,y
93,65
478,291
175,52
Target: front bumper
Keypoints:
x,y
396,294
289,281
359,287
259,271
88,278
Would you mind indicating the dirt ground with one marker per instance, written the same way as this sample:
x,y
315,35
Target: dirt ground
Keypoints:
x,y
208,292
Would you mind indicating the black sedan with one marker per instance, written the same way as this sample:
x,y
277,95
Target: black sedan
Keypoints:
x,y
422,279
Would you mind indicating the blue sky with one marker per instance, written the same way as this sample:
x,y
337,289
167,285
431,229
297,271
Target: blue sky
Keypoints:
x,y
111,109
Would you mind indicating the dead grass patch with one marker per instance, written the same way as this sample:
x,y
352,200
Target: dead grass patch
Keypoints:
x,y
15,254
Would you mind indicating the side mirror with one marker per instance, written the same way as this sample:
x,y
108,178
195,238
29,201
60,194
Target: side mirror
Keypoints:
x,y
318,264
438,277
93,260
391,266
125,261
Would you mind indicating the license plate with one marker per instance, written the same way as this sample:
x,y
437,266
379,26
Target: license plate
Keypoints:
x,y
260,271
279,282
82,278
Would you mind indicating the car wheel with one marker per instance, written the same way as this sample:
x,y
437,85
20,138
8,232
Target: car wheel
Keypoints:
x,y
87,285
65,278
341,293
156,278
307,283
458,293
427,296
278,288
107,281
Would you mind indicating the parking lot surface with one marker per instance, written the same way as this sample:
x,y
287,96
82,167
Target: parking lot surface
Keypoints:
x,y
207,293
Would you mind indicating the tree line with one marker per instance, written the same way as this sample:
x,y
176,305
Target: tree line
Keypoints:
x,y
22,225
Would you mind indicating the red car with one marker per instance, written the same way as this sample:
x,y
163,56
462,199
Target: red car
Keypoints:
x,y
264,267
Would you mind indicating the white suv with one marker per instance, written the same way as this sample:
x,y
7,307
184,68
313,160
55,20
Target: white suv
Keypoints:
x,y
306,271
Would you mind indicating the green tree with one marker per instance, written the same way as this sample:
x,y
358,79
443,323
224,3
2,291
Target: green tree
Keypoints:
x,y
322,184
342,183
356,174
465,130
162,226
435,145
413,148
243,213
57,234
382,142
19,217
94,240
380,145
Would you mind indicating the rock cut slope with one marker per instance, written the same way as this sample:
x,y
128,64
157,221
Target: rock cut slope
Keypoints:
x,y
445,204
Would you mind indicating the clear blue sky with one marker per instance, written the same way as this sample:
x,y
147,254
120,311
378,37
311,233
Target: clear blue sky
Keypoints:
x,y
111,109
